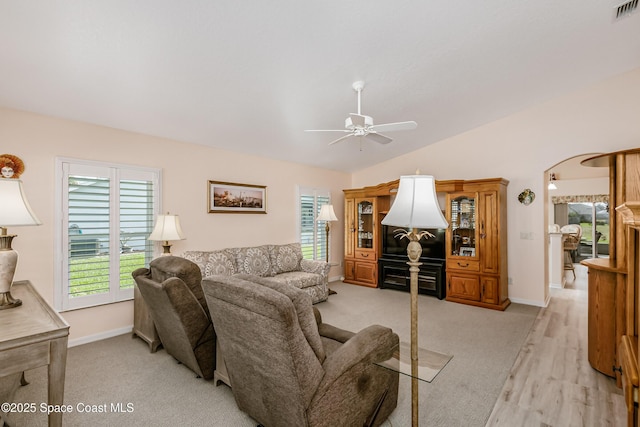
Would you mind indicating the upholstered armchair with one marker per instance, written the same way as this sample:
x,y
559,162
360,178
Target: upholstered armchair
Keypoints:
x,y
172,290
287,368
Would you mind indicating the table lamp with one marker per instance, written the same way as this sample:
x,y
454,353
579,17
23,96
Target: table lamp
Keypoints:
x,y
14,212
415,206
167,228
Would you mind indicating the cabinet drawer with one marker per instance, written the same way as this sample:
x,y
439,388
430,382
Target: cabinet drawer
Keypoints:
x,y
463,265
365,255
24,358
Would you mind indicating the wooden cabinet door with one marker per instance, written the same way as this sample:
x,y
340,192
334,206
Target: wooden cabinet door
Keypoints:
x,y
489,242
464,287
601,321
490,290
349,228
365,272
366,238
349,270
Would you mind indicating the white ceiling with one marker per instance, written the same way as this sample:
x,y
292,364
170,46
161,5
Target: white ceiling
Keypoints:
x,y
251,76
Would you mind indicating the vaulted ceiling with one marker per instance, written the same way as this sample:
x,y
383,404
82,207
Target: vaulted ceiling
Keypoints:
x,y
252,76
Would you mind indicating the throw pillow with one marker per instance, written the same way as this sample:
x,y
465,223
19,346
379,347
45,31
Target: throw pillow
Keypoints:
x,y
285,258
197,257
220,262
254,260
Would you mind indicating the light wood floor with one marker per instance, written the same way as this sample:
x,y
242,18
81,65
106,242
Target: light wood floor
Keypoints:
x,y
551,382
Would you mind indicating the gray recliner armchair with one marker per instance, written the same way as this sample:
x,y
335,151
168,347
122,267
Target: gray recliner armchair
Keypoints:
x,y
172,291
287,368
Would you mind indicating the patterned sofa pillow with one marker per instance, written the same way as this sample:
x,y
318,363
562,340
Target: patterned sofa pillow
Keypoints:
x,y
253,260
220,263
199,258
285,258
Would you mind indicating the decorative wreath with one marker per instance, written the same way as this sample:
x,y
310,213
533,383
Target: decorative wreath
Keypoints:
x,y
13,162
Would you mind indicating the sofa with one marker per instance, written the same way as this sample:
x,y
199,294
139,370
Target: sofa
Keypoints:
x,y
278,263
288,368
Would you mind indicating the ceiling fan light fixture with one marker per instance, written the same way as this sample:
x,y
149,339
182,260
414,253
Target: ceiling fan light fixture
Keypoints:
x,y
348,123
358,125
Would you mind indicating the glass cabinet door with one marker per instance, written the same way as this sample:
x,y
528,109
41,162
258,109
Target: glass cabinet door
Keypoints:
x,y
365,224
463,225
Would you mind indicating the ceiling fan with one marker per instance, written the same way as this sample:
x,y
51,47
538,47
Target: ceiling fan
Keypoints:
x,y
362,126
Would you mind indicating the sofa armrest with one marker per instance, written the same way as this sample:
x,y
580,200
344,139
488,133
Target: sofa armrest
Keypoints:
x,y
192,316
329,331
315,266
373,344
334,333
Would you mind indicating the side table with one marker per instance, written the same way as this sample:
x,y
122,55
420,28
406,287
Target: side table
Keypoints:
x,y
143,325
220,374
34,335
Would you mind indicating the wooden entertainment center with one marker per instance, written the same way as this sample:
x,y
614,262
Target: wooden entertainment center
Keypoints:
x,y
471,267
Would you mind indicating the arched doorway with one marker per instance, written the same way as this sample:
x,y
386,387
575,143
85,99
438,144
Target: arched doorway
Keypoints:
x,y
580,196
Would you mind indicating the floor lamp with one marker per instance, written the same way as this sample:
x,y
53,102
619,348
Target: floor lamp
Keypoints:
x,y
415,207
327,215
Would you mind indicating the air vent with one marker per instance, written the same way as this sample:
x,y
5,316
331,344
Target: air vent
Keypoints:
x,y
625,9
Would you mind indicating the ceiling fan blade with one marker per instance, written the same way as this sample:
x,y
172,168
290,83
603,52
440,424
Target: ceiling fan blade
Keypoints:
x,y
388,127
327,130
357,120
341,138
380,139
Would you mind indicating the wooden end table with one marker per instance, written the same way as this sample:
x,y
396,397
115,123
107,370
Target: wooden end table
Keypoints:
x,y
34,335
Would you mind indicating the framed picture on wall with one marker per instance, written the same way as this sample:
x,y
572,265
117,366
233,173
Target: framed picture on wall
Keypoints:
x,y
464,251
230,197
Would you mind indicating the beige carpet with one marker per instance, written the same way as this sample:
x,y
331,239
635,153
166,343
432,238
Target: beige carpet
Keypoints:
x,y
160,392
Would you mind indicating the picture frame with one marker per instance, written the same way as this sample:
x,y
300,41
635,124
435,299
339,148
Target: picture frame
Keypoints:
x,y
466,251
231,197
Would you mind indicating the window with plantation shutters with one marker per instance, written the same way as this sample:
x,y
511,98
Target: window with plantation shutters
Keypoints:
x,y
312,235
106,214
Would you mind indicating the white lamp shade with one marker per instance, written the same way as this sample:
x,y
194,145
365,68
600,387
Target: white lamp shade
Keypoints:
x,y
327,214
14,207
167,228
416,204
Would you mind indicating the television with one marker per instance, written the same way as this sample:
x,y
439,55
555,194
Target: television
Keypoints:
x,y
432,247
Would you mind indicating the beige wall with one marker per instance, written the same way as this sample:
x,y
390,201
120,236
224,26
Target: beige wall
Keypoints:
x,y
186,169
520,148
601,118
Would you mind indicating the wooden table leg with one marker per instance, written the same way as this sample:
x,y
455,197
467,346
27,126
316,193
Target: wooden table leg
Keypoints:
x,y
57,368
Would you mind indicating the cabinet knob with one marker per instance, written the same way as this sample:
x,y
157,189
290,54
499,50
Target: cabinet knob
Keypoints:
x,y
461,265
619,369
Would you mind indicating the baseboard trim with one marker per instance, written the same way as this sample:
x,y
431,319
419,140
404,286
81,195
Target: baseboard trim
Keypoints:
x,y
101,336
530,302
335,279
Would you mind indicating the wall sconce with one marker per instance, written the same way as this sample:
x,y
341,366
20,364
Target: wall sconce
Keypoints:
x,y
552,184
